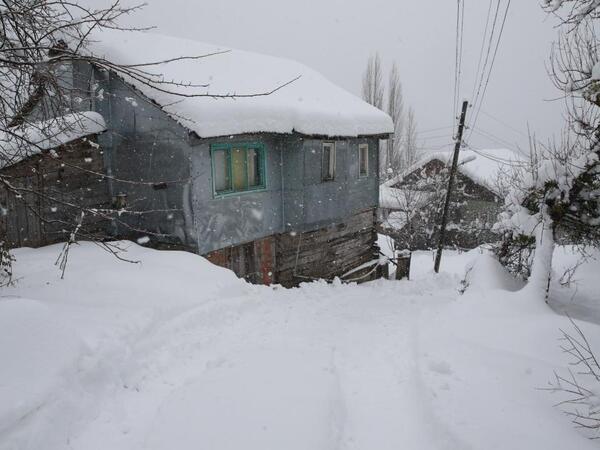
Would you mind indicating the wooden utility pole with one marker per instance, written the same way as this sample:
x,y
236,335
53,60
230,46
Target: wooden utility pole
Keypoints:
x,y
461,127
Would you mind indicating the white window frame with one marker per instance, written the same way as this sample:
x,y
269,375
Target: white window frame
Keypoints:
x,y
332,157
360,148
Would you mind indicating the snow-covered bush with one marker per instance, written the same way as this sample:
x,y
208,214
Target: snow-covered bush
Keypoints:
x,y
515,252
555,195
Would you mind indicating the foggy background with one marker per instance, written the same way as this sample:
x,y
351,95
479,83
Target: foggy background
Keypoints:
x,y
336,37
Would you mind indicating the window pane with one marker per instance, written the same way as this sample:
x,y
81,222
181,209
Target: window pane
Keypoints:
x,y
253,157
238,168
364,160
326,154
328,161
222,181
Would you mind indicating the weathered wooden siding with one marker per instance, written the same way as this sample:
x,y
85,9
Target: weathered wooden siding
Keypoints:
x,y
59,186
327,252
291,258
253,261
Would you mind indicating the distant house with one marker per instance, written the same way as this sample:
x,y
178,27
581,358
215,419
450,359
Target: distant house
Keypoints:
x,y
279,188
411,203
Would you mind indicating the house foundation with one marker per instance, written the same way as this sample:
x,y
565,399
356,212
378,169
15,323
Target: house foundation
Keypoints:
x,y
291,258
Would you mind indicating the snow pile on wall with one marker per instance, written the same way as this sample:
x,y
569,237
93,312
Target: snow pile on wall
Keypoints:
x,y
310,105
31,138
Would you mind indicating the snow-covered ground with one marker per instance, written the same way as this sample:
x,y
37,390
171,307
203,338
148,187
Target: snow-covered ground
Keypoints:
x,y
175,353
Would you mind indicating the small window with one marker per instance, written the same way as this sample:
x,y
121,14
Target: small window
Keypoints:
x,y
254,165
221,171
363,160
238,168
328,172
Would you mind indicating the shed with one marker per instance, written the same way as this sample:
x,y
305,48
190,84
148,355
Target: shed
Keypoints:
x,y
411,202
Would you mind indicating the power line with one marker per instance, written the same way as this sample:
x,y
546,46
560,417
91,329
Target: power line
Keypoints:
x,y
460,23
493,137
487,24
434,129
439,136
498,159
491,66
503,123
488,52
460,60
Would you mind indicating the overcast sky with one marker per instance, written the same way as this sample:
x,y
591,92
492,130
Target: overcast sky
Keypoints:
x,y
336,37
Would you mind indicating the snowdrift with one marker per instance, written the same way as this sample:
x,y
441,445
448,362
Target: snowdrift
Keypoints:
x,y
173,352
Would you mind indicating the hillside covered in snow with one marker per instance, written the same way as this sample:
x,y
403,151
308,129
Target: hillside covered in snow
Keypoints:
x,y
172,352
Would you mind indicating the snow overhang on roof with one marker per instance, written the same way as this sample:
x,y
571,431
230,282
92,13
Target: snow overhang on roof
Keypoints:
x,y
29,139
310,105
482,166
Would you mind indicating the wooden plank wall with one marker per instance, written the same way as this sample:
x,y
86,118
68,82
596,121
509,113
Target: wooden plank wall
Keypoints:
x,y
43,216
289,259
253,261
328,252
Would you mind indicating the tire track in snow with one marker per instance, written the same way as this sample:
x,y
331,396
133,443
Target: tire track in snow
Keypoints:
x,y
443,437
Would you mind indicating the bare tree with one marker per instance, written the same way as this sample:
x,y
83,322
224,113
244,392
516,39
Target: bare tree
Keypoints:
x,y
372,82
414,205
579,387
395,108
373,93
573,12
410,152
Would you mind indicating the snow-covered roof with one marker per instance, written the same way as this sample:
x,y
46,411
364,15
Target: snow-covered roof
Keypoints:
x,y
310,105
403,203
482,166
26,140
401,199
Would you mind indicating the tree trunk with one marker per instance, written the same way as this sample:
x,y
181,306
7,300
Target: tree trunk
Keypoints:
x,y
541,272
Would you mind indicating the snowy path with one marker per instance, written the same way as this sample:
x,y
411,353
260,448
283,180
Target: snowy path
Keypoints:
x,y
175,353
317,368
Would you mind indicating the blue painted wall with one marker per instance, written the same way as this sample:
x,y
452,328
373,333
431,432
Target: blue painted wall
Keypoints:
x,y
144,145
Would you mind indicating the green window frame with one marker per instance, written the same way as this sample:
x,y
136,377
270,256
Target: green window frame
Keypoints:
x,y
238,168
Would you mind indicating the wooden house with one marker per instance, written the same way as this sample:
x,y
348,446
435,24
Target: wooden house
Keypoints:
x,y
279,188
411,202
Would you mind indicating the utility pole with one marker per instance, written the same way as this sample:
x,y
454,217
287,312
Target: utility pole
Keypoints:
x,y
461,127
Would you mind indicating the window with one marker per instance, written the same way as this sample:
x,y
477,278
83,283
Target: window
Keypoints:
x,y
238,167
328,172
363,160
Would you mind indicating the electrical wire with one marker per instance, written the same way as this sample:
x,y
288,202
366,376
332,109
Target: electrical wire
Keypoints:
x,y
503,123
487,25
487,81
493,137
490,41
434,129
460,22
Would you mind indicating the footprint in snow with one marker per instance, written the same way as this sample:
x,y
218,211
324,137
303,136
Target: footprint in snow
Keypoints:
x,y
441,367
